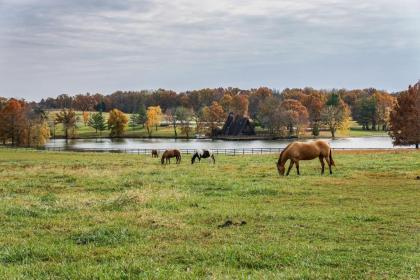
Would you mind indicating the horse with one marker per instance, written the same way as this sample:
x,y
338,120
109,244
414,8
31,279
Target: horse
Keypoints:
x,y
305,151
203,154
155,153
168,154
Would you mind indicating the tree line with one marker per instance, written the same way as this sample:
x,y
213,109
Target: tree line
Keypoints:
x,y
285,113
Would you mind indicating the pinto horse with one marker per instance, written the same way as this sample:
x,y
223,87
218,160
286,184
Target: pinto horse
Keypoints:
x,y
305,151
168,154
202,154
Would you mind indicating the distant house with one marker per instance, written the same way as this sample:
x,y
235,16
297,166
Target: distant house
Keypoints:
x,y
237,125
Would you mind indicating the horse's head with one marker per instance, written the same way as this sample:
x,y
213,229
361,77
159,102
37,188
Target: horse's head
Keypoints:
x,y
193,157
280,168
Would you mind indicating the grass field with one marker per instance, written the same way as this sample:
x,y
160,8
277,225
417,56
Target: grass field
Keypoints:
x,y
108,216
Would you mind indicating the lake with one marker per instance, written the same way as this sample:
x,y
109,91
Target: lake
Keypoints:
x,y
155,143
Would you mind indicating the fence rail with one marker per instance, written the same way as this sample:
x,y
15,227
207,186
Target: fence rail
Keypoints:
x,y
230,152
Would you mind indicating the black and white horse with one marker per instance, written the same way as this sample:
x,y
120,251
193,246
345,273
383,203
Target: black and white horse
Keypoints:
x,y
202,154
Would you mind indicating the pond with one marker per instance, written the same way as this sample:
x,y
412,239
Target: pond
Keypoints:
x,y
155,143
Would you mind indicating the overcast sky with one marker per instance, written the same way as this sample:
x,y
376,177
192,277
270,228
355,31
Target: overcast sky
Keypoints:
x,y
50,47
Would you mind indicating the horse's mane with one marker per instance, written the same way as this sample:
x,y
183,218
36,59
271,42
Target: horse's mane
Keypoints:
x,y
281,154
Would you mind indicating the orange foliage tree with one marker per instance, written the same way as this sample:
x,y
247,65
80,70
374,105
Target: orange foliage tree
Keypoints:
x,y
405,118
22,125
295,115
117,123
213,115
12,121
86,117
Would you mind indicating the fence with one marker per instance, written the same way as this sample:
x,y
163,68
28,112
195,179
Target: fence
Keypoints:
x,y
230,152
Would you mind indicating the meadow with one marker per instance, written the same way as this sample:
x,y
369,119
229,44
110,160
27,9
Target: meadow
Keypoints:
x,y
118,216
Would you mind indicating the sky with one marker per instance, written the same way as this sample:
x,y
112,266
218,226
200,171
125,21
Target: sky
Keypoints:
x,y
51,47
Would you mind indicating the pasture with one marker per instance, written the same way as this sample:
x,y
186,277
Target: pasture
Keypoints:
x,y
84,216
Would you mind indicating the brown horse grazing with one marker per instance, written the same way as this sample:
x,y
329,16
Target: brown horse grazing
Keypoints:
x,y
168,154
155,153
305,151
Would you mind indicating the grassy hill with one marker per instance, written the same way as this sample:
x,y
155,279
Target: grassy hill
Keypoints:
x,y
84,216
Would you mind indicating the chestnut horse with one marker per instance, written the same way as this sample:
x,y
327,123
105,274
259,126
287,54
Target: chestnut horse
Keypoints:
x,y
305,151
155,153
168,154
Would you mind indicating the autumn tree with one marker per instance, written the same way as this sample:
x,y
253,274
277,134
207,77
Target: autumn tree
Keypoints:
x,y
85,116
117,123
405,118
12,121
271,115
213,115
239,105
314,102
68,118
255,99
295,115
97,122
335,113
154,116
84,102
385,103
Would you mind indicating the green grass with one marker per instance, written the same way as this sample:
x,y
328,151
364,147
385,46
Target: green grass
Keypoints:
x,y
84,216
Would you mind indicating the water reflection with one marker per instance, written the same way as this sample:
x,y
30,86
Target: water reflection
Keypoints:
x,y
154,143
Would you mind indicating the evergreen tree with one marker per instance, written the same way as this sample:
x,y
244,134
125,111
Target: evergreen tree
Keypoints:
x,y
97,122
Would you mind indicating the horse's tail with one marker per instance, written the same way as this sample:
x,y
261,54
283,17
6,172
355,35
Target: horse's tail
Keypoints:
x,y
214,160
331,159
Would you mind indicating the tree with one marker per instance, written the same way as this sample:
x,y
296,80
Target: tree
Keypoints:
x,y
240,105
133,121
12,121
184,116
37,131
270,114
213,115
405,118
117,123
314,102
385,103
255,100
171,117
85,116
154,115
97,122
295,114
141,115
68,119
335,113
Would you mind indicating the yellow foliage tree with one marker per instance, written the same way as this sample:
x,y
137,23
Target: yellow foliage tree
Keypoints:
x,y
117,122
154,116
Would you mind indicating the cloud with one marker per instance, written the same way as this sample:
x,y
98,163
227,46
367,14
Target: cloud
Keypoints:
x,y
58,46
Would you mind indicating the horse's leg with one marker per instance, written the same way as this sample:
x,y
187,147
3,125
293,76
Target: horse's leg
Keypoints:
x,y
329,164
297,167
290,167
321,159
